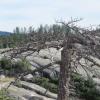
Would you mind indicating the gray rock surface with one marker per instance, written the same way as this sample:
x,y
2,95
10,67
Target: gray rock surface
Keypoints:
x,y
51,53
97,81
38,89
45,56
35,92
2,77
28,77
25,94
40,61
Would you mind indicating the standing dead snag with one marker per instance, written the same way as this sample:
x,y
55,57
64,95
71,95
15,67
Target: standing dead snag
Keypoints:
x,y
89,43
65,70
65,67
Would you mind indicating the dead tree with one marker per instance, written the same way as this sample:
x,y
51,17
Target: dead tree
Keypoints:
x,y
70,50
65,66
65,71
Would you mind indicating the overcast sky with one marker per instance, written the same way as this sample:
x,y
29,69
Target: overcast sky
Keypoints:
x,y
35,12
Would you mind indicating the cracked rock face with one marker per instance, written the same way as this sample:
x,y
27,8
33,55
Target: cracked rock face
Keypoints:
x,y
43,58
46,56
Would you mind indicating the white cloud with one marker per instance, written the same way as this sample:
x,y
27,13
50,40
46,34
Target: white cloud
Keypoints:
x,y
34,12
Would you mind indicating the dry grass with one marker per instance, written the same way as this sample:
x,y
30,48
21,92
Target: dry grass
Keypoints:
x,y
6,79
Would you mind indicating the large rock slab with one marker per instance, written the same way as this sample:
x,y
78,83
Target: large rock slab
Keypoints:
x,y
25,94
38,89
87,67
40,61
28,77
51,53
34,64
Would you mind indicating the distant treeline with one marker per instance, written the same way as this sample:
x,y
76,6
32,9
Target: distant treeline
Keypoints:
x,y
23,35
42,33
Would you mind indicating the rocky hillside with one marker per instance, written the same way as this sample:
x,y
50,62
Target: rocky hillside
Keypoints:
x,y
27,89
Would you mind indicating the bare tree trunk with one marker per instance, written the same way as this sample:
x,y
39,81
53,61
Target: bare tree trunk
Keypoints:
x,y
65,70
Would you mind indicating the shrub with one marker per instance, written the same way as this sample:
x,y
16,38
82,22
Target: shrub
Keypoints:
x,y
5,63
86,88
56,81
4,96
10,68
21,66
46,83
